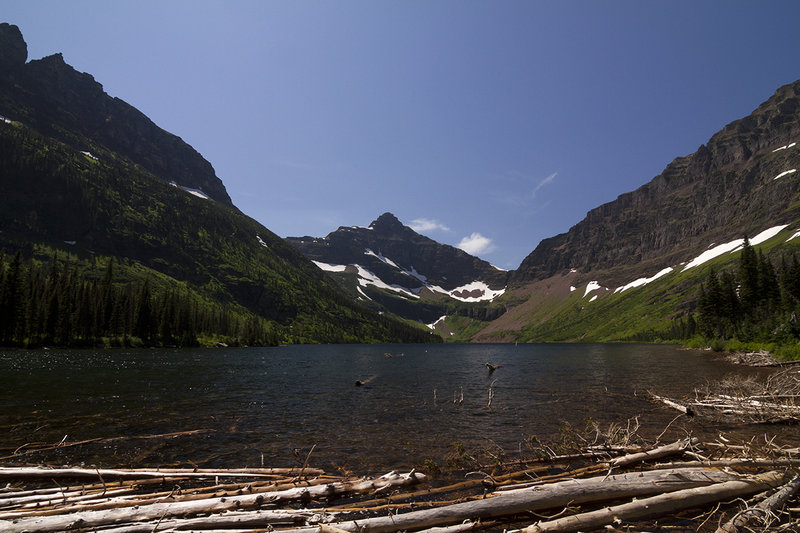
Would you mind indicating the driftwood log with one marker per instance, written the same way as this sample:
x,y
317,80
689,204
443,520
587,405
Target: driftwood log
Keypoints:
x,y
539,498
659,505
763,510
121,473
579,488
89,519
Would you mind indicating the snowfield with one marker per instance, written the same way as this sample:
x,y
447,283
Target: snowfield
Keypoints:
x,y
643,281
368,278
730,247
592,286
488,294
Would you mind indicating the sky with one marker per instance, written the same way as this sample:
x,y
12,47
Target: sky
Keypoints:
x,y
488,125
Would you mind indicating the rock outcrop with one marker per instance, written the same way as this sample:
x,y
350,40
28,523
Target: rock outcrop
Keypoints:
x,y
13,49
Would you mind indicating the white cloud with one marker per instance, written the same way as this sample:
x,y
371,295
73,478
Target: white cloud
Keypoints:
x,y
426,224
476,244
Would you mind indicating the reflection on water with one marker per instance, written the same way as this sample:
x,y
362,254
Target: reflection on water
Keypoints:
x,y
276,403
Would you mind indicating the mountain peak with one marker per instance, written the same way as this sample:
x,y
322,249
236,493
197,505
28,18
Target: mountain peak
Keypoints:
x,y
387,222
13,49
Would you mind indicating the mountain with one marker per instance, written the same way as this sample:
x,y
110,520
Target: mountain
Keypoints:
x,y
726,188
633,260
117,226
395,269
53,98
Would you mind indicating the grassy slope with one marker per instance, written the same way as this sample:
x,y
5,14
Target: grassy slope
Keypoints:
x,y
545,311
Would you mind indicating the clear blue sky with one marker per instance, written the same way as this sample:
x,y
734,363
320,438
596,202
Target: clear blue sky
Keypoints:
x,y
506,120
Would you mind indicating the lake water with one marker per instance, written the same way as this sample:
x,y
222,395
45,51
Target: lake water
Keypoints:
x,y
272,405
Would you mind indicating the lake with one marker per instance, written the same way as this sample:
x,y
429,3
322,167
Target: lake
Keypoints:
x,y
271,405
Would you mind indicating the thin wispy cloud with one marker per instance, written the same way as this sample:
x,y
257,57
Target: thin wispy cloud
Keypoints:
x,y
519,192
425,224
542,183
476,244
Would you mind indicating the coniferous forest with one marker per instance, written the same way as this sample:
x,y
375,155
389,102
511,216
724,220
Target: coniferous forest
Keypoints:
x,y
54,304
753,302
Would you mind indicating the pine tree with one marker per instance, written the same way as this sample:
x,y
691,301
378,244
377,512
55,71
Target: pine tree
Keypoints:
x,y
748,278
142,324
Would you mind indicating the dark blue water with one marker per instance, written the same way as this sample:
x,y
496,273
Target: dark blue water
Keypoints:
x,y
274,404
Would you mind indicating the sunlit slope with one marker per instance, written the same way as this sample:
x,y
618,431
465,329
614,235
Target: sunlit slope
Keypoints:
x,y
636,263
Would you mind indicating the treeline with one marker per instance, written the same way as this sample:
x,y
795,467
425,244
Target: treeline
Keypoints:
x,y
55,304
754,302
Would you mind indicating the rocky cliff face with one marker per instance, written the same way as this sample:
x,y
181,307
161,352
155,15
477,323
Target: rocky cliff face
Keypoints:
x,y
726,189
53,98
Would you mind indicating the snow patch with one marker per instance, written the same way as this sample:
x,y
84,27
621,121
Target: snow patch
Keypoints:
x,y
475,291
797,234
783,147
71,243
89,155
368,278
593,298
362,293
572,289
327,267
785,173
643,281
197,192
476,286
382,258
730,247
432,325
767,234
592,286
261,241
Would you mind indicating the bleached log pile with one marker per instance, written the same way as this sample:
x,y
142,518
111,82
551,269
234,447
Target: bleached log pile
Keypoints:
x,y
683,483
776,400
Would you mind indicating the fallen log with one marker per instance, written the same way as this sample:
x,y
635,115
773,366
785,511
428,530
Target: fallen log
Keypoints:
x,y
732,463
462,485
117,473
153,511
763,509
676,448
44,500
198,493
227,521
673,404
540,498
109,502
659,505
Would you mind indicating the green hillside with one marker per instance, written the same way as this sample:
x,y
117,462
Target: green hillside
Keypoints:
x,y
100,205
